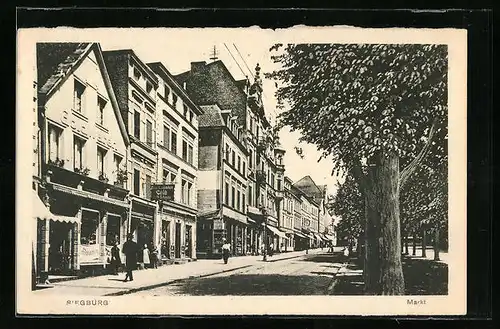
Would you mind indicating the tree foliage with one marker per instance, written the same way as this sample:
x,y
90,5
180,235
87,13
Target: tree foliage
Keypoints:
x,y
352,100
348,204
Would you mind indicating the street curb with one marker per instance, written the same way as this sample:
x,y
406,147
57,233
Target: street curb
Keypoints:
x,y
166,283
332,285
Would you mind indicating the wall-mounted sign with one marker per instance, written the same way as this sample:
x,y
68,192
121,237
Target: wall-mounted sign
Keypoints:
x,y
218,224
162,192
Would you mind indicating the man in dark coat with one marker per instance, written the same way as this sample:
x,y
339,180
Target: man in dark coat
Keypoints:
x,y
130,249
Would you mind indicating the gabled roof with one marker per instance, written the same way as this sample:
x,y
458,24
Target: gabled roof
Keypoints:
x,y
211,117
309,187
57,61
136,59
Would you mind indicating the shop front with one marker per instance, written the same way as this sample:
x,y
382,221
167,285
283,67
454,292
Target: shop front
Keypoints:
x,y
91,218
142,223
177,232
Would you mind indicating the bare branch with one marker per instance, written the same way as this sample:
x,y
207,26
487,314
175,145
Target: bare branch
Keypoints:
x,y
406,172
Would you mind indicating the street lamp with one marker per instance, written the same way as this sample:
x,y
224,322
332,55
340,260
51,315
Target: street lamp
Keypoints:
x,y
264,214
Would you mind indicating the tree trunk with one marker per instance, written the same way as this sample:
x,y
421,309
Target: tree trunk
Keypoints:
x,y
414,243
424,242
383,256
436,243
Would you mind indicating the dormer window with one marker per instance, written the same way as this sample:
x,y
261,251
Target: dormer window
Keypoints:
x,y
137,74
149,87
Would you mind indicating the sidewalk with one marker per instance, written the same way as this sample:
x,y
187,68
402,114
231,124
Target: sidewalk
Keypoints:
x,y
113,285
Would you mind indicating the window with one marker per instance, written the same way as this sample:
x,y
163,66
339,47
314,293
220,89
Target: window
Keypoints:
x,y
190,154
233,196
243,203
137,74
186,112
137,182
54,143
228,151
250,193
189,193
239,163
174,99
233,158
173,138
166,137
149,87
167,92
117,161
226,193
149,133
184,150
101,154
137,124
78,153
101,103
238,205
169,176
186,191
251,125
244,169
79,90
250,159
148,187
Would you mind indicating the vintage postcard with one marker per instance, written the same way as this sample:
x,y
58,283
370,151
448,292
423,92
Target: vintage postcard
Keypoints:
x,y
298,171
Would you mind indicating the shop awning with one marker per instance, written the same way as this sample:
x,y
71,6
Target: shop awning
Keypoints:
x,y
42,212
211,214
330,237
300,235
317,236
276,231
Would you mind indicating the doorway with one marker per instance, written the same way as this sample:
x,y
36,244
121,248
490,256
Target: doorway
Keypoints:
x,y
177,240
165,239
61,247
189,241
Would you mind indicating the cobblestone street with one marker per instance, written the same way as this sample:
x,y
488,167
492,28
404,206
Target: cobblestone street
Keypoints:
x,y
308,275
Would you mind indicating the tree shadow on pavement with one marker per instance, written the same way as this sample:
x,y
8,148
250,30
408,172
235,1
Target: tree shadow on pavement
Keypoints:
x,y
425,276
258,284
422,277
324,258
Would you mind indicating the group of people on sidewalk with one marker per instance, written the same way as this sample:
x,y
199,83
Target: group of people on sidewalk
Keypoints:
x,y
148,257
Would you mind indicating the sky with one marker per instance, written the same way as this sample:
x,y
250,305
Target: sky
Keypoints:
x,y
240,53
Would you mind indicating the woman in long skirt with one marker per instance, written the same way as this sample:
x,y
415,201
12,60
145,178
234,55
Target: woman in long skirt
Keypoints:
x,y
145,257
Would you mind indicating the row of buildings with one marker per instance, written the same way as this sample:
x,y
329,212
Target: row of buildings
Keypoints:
x,y
181,162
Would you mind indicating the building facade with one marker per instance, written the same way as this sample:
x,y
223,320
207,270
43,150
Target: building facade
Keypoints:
x,y
136,87
222,194
84,146
177,138
209,84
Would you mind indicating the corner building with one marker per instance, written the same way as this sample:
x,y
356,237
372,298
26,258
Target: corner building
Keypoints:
x,y
81,204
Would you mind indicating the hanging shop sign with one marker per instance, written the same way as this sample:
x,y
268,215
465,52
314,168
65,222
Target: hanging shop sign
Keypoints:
x,y
162,192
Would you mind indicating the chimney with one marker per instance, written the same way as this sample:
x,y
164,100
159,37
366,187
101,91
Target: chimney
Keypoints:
x,y
197,66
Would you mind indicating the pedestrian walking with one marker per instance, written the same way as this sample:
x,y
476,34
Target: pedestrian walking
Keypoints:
x,y
145,257
271,249
115,261
130,249
226,250
154,257
346,254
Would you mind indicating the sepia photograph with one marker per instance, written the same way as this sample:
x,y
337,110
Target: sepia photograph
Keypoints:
x,y
242,171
